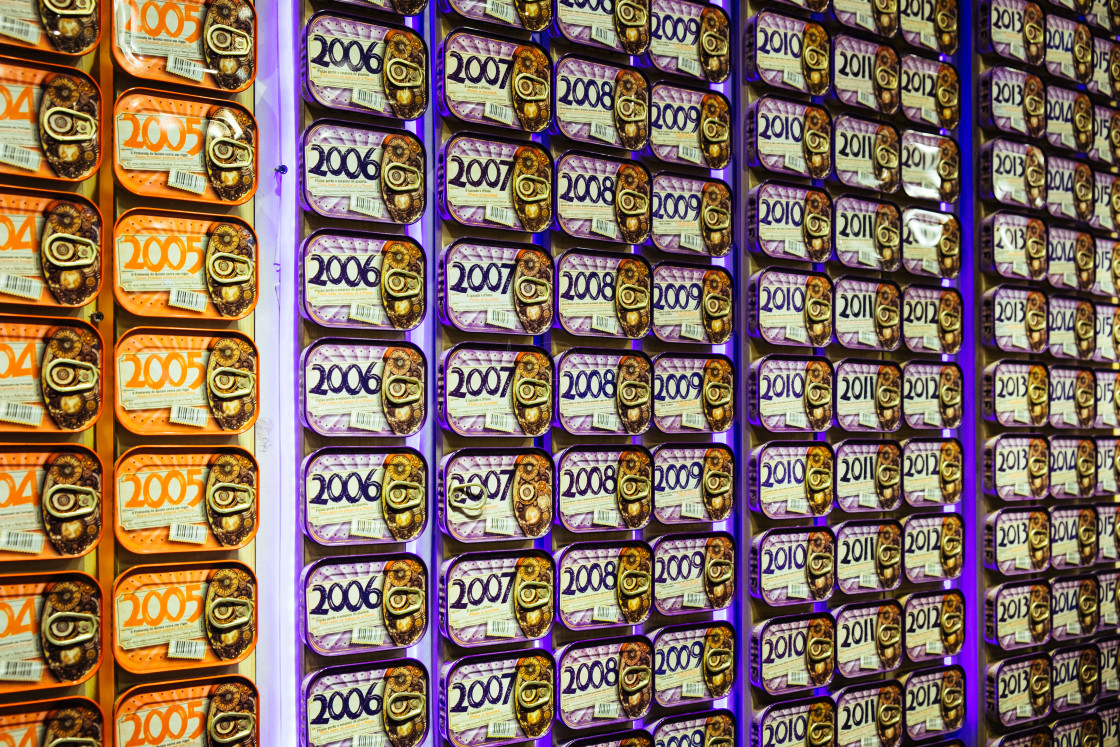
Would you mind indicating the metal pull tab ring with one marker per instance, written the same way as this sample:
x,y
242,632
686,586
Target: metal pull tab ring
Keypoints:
x,y
630,13
533,695
634,583
531,392
66,629
413,704
240,612
402,178
404,74
66,250
716,219
628,683
532,188
532,595
246,721
631,109
472,492
228,41
68,502
225,268
401,284
225,382
718,660
403,390
633,488
888,476
526,85
719,571
225,498
535,297
716,131
717,394
631,202
713,43
69,126
401,495
411,602
69,376
228,153
632,297
633,393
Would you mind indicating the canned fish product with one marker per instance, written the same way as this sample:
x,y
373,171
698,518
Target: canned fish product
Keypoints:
x,y
394,697
526,715
52,720
221,705
1040,734
693,572
931,166
1069,119
1017,468
1107,473
51,254
1108,254
866,154
186,382
865,73
786,52
486,390
931,395
868,395
391,79
148,635
693,393
1110,679
602,392
602,104
868,556
692,303
690,127
790,393
388,382
1015,319
1072,259
1106,530
1086,728
867,314
691,216
339,484
224,172
693,483
54,503
699,48
57,30
1072,327
1106,135
1069,49
931,92
1020,689
496,287
173,264
52,128
788,480
359,173
1073,401
1013,101
1017,540
1069,187
869,712
794,653
623,28
494,597
934,29
485,80
935,702
1110,725
933,547
786,137
697,663
868,476
1076,677
785,221
790,308
1017,615
176,499
1014,246
934,625
622,692
1012,29
1073,536
1013,174
604,294
496,184
605,488
603,199
1017,394
362,604
1106,206
1075,606
869,638
931,319
868,234
710,726
603,584
931,243
494,494
797,724
57,641
933,468
792,566
211,46
530,16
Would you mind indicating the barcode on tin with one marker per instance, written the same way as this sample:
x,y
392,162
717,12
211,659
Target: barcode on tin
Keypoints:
x,y
19,29
689,153
868,580
867,100
689,65
934,647
935,724
604,35
695,689
604,517
603,132
1024,710
796,333
695,599
370,528
367,312
194,534
933,569
606,421
691,331
499,113
21,158
796,420
500,318
794,78
367,636
868,338
186,649
867,500
869,661
869,420
929,41
1073,627
14,412
794,247
692,510
694,420
184,68
364,205
1022,636
369,99
186,181
867,258
869,742
795,163
603,227
604,613
187,299
501,215
26,542
606,709
497,421
797,591
20,671
692,242
795,505
501,629
604,323
17,285
931,342
502,525
367,421
865,21
369,740
503,12
186,415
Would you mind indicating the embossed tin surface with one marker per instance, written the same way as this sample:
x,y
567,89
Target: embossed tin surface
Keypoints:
x,y
931,243
790,654
604,584
697,664
496,288
931,92
1017,614
693,483
855,722
790,138
604,392
691,216
789,724
932,319
1076,677
498,184
495,494
394,697
603,199
931,167
868,475
601,104
528,716
933,547
1073,329
604,294
493,81
789,566
785,221
932,395
791,480
693,303
1073,467
491,597
932,471
1012,29
610,487
1075,608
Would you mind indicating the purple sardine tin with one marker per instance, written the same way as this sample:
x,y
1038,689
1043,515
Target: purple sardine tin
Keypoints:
x,y
1106,280
1077,730
869,396
792,566
868,556
698,663
693,393
1017,395
931,92
1108,331
867,314
604,393
934,622
1074,543
791,480
489,100
868,476
702,728
932,395
868,234
487,495
854,706
790,394
320,727
937,32
470,195
793,654
865,154
693,483
1073,467
1103,81
935,702
1019,689
587,701
786,221
1017,540
1015,319
865,74
1014,246
1013,173
604,566
681,54
1106,135
690,127
694,573
1071,263
1017,615
790,308
931,243
492,390
496,288
1069,189
1107,474
603,199
869,637
502,723
693,303
788,53
1106,189
931,167
932,320
691,216
934,546
1065,110
1012,29
1013,101
933,471
603,488
1069,49
1072,397
787,137
1076,677
603,294
788,724
1075,607
594,26
585,107
1072,326
472,614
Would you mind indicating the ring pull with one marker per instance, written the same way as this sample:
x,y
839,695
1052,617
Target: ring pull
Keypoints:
x,y
527,493
1085,329
65,250
716,482
1033,105
1037,394
950,396
889,397
948,171
1087,606
71,7
821,734
717,394
1036,248
718,660
1032,32
887,315
1037,466
69,376
719,571
817,226
633,393
413,704
472,492
527,290
888,555
66,629
949,321
1035,177
889,715
1082,121
402,495
532,188
1082,190
947,246
401,178
947,21
217,726
949,471
631,109
404,600
404,74
889,635
226,498
228,41
1087,535
633,297
401,284
227,153
818,479
888,476
526,87
952,622
816,142
629,685
225,382
1085,398
952,697
633,488
819,394
1080,52
1038,539
1036,320
69,126
885,6
886,78
532,595
631,13
531,392
634,583
224,613
818,310
887,235
886,157
403,390
225,268
68,502
948,98
819,650
716,219
1039,611
814,58
716,131
631,202
1089,674
717,306
951,546
714,44
820,564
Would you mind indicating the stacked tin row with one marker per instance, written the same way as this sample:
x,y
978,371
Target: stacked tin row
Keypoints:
x,y
1046,100
190,144
854,395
